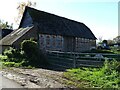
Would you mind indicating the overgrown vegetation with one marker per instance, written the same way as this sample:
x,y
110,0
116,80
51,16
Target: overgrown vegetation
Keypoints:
x,y
116,50
28,56
106,77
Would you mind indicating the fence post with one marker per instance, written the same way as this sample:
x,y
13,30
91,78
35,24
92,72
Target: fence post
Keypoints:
x,y
57,54
74,60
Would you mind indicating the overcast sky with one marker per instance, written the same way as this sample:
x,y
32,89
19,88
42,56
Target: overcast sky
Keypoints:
x,y
100,16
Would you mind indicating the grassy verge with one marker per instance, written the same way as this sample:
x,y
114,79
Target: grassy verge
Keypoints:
x,y
106,77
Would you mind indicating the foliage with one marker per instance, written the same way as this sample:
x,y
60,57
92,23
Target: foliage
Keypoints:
x,y
21,8
29,47
5,25
116,50
12,64
117,39
3,58
106,77
14,55
105,41
29,55
34,56
12,58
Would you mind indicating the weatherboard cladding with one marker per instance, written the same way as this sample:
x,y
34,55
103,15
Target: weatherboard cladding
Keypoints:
x,y
52,24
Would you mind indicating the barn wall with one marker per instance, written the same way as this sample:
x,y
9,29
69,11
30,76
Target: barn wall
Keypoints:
x,y
66,44
69,44
83,44
51,42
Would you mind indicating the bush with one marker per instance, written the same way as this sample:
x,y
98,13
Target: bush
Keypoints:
x,y
29,47
8,64
34,56
28,55
14,55
109,66
3,58
12,64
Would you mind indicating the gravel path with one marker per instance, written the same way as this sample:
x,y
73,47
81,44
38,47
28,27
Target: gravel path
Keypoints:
x,y
6,83
36,78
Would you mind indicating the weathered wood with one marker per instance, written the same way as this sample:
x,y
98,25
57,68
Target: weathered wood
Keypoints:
x,y
74,60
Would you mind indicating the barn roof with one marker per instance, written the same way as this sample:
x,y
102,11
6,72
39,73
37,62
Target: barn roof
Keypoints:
x,y
52,24
14,35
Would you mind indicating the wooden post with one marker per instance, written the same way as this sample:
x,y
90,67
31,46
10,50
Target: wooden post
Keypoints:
x,y
74,61
57,54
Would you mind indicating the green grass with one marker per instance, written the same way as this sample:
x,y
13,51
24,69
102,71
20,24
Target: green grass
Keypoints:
x,y
115,50
105,77
99,51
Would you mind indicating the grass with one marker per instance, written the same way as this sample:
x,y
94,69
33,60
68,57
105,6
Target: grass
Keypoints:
x,y
112,50
105,77
99,51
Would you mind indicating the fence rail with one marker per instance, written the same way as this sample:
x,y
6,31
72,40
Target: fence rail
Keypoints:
x,y
74,60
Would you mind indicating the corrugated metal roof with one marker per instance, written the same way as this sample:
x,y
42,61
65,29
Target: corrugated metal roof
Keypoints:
x,y
53,24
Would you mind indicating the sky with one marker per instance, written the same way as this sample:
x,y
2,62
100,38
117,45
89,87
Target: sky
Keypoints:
x,y
101,16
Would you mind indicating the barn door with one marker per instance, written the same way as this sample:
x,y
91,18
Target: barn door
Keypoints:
x,y
69,44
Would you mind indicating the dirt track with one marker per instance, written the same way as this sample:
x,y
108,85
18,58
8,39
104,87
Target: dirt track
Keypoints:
x,y
36,78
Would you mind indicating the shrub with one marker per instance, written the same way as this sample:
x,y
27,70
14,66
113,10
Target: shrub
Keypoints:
x,y
12,64
34,56
28,55
14,55
3,58
8,64
109,66
29,47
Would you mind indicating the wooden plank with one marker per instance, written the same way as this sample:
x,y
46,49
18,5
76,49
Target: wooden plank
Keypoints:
x,y
61,58
66,63
80,53
88,61
86,65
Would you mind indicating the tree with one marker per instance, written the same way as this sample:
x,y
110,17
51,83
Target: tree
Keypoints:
x,y
5,25
117,39
21,8
110,42
105,42
100,40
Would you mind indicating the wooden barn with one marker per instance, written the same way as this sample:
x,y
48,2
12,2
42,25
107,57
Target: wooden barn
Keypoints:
x,y
52,32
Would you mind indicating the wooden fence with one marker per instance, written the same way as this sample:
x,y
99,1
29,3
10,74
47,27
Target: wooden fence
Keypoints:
x,y
74,60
